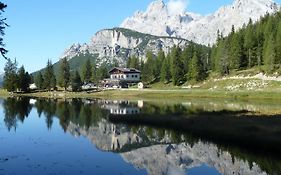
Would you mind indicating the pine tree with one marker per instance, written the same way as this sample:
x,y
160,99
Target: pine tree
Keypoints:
x,y
102,72
158,63
269,54
278,45
64,73
53,82
87,71
249,44
39,81
49,76
236,52
214,58
95,74
10,77
260,42
187,55
128,63
147,73
177,66
23,80
134,63
221,58
76,82
166,70
193,73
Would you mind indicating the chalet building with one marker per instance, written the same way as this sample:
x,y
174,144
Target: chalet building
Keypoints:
x,y
128,75
122,78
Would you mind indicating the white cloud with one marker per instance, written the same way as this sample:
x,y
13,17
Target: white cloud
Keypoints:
x,y
177,6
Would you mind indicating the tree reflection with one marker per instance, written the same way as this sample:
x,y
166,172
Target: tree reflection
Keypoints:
x,y
77,111
48,108
156,124
15,109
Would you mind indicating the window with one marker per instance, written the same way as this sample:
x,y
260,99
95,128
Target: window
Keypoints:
x,y
127,76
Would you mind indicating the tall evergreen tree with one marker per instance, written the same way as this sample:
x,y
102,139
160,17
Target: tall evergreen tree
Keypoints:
x,y
249,44
134,63
95,78
187,55
260,43
87,71
278,45
221,58
49,76
23,80
177,66
10,77
64,73
147,72
236,52
53,82
158,63
194,70
166,74
269,54
76,82
129,60
39,81
102,72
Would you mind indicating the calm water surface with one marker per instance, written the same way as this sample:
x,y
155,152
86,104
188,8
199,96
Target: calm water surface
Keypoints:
x,y
80,136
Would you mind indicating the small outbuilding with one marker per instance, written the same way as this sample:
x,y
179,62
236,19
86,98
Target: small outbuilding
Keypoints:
x,y
32,86
140,85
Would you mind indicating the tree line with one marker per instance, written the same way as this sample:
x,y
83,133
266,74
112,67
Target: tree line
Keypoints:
x,y
178,66
16,79
90,73
254,45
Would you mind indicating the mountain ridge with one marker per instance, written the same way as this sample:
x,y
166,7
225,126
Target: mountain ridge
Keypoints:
x,y
117,44
195,27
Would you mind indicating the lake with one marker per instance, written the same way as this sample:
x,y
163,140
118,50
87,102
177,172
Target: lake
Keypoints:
x,y
95,136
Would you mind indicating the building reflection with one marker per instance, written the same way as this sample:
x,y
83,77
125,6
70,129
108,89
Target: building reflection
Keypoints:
x,y
178,138
118,107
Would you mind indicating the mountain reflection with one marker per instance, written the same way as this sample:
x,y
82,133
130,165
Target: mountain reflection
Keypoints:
x,y
163,138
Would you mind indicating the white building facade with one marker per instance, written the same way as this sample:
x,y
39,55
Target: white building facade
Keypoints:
x,y
129,75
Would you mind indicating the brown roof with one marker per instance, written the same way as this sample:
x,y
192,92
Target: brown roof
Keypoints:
x,y
125,70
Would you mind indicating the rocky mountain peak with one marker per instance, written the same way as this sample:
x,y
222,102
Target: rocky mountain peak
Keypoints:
x,y
74,50
160,19
156,6
117,44
252,5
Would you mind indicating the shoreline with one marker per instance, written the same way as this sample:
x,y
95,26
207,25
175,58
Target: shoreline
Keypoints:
x,y
149,94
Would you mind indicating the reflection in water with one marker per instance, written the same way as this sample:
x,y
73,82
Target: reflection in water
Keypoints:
x,y
163,138
164,159
15,110
118,107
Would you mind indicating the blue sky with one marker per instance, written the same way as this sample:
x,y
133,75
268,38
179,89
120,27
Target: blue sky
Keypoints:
x,y
42,29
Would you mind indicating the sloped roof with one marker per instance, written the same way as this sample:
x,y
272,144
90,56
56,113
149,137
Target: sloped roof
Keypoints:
x,y
125,70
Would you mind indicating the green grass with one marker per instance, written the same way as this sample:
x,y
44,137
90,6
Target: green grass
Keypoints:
x,y
4,93
214,87
163,94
